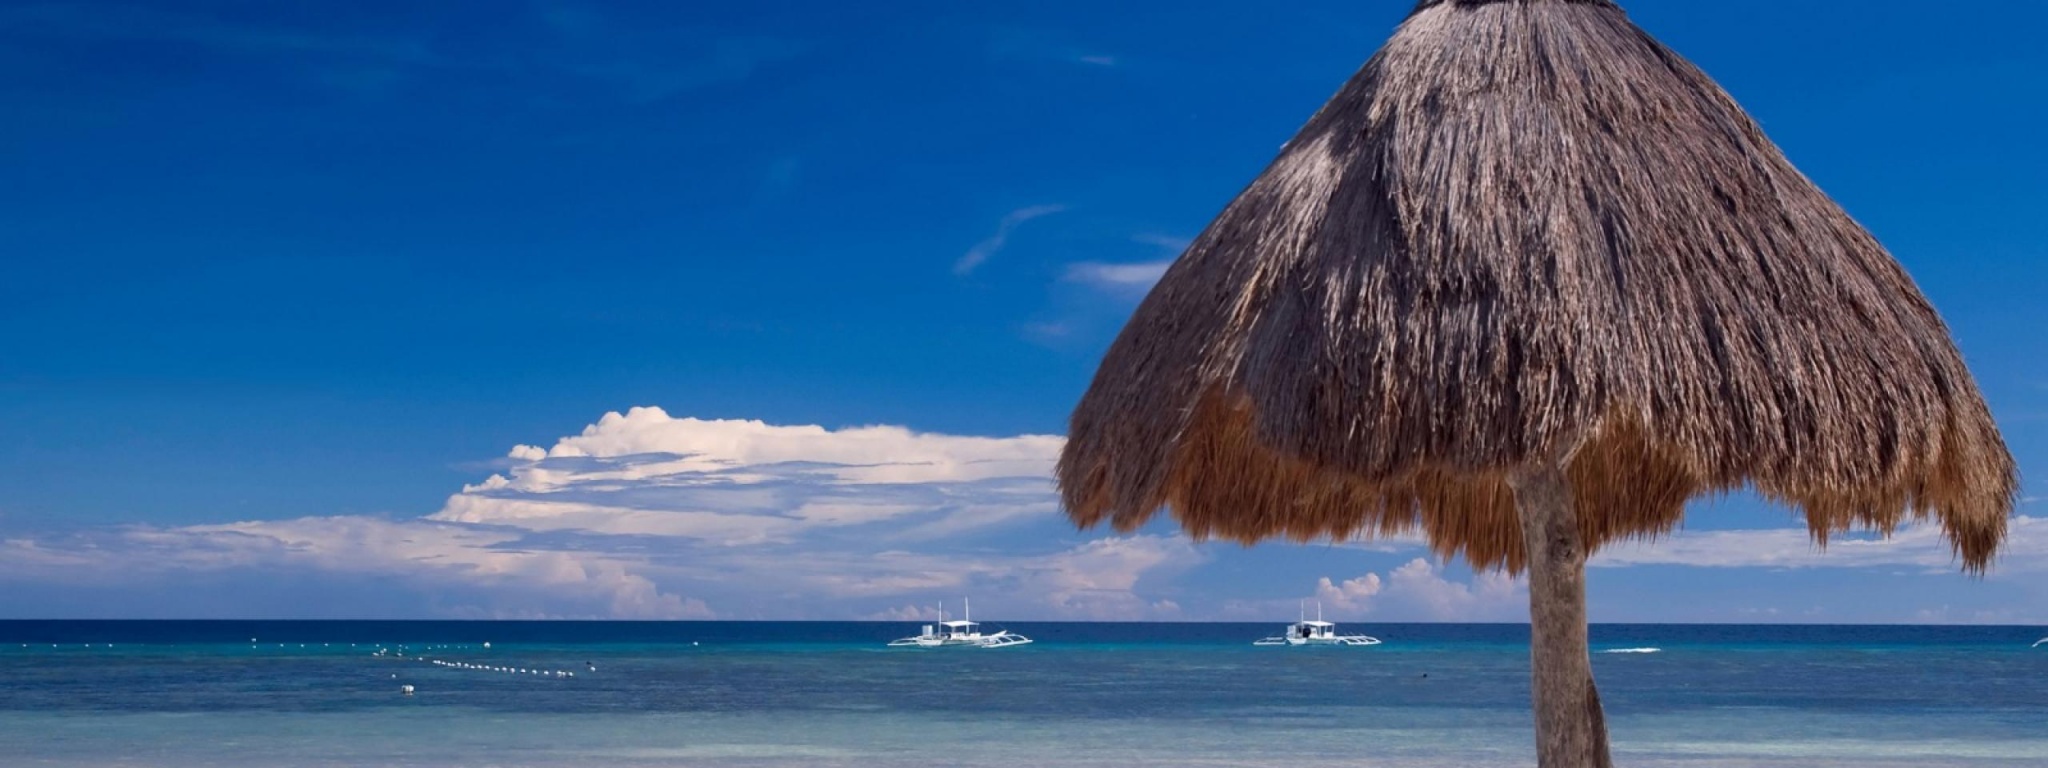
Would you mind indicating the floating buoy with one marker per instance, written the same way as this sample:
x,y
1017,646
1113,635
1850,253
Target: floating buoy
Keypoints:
x,y
487,645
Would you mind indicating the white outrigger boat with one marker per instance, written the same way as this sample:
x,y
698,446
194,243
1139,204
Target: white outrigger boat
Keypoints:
x,y
1318,632
959,634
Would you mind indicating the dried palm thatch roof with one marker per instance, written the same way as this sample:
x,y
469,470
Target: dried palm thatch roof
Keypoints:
x,y
1527,231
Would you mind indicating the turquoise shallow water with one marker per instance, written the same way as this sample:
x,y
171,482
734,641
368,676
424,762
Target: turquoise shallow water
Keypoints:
x,y
727,694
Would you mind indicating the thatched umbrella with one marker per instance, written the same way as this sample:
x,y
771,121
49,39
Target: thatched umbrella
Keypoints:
x,y
1528,283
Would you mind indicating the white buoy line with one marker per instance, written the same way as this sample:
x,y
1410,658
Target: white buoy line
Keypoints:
x,y
470,666
474,667
67,645
409,652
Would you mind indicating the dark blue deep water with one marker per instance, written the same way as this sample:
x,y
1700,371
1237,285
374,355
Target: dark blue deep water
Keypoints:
x,y
800,694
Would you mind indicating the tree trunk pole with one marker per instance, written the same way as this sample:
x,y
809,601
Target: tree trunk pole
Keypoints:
x,y
1571,730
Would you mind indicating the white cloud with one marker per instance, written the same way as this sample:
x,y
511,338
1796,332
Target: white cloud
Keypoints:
x,y
911,613
1169,242
876,454
1414,591
1118,277
1099,580
982,251
1353,595
644,472
1132,277
515,581
1490,596
1920,546
642,515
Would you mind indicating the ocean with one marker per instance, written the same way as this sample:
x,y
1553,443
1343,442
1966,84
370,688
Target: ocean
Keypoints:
x,y
240,693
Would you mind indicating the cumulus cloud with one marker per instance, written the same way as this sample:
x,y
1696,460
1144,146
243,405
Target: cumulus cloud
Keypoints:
x,y
733,483
875,454
982,251
1352,595
1419,591
1416,590
646,516
1099,580
1490,596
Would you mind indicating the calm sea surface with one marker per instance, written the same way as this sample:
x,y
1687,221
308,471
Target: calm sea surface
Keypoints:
x,y
828,694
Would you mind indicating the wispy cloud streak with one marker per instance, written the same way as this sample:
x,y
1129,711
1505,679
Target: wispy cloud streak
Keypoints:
x,y
1118,277
988,248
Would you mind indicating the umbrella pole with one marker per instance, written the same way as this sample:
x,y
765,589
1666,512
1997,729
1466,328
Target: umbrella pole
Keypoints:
x,y
1571,731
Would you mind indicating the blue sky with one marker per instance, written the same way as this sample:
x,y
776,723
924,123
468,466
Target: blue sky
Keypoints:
x,y
281,282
